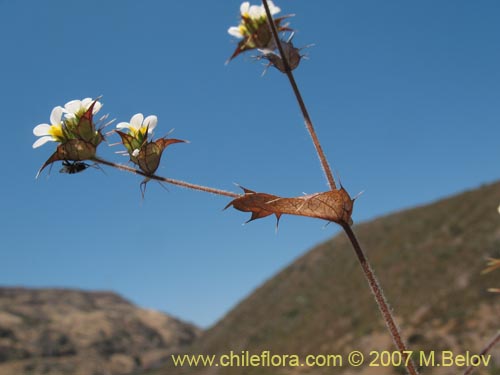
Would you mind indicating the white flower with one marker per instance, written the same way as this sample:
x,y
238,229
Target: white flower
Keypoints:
x,y
52,132
253,13
139,124
76,108
257,11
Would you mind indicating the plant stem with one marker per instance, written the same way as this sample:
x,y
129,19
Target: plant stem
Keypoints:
x,y
184,184
380,298
495,340
307,119
365,265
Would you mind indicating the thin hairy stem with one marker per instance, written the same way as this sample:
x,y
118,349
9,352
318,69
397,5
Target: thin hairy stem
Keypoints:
x,y
183,184
495,340
303,108
380,298
365,265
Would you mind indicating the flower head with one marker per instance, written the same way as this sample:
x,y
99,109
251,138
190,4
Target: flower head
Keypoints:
x,y
137,133
75,109
254,29
138,125
252,16
74,128
143,152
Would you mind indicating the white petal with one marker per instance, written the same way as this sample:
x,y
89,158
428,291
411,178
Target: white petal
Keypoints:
x,y
235,31
97,107
41,141
123,125
41,130
150,122
244,7
135,153
73,106
273,8
136,121
256,11
86,102
56,114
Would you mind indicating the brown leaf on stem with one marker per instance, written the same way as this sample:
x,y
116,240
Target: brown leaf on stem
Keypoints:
x,y
334,205
72,150
150,153
292,55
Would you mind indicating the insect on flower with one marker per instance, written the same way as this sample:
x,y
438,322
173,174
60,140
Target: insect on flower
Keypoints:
x,y
73,167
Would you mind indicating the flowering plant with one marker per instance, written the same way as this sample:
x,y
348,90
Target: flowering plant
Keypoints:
x,y
73,127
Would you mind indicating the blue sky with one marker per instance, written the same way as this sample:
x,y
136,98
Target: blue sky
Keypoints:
x,y
404,95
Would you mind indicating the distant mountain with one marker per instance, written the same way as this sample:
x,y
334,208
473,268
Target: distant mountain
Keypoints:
x,y
428,260
59,332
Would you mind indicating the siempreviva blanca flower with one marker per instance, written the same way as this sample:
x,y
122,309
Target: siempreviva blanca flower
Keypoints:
x,y
138,129
143,152
73,127
254,29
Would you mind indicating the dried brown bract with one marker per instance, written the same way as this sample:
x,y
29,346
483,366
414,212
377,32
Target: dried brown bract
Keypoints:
x,y
335,205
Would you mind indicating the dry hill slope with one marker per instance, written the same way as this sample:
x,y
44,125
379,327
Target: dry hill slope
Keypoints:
x,y
428,259
59,332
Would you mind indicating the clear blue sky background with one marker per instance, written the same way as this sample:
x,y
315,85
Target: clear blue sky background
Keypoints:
x,y
405,97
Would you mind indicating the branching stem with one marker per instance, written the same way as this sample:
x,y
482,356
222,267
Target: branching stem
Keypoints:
x,y
365,265
183,184
302,105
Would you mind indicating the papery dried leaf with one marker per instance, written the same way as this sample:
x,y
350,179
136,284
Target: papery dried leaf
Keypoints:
x,y
333,205
291,53
165,142
150,153
256,203
85,129
149,157
72,150
76,150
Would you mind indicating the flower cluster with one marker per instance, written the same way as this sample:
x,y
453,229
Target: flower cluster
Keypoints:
x,y
73,127
138,130
143,152
254,29
64,122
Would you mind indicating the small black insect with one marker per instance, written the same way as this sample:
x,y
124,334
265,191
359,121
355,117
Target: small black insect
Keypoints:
x,y
73,167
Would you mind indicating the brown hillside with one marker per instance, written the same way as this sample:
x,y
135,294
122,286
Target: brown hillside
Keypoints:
x,y
428,260
59,332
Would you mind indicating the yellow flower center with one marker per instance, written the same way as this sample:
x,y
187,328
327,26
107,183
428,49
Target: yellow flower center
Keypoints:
x,y
139,133
56,131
